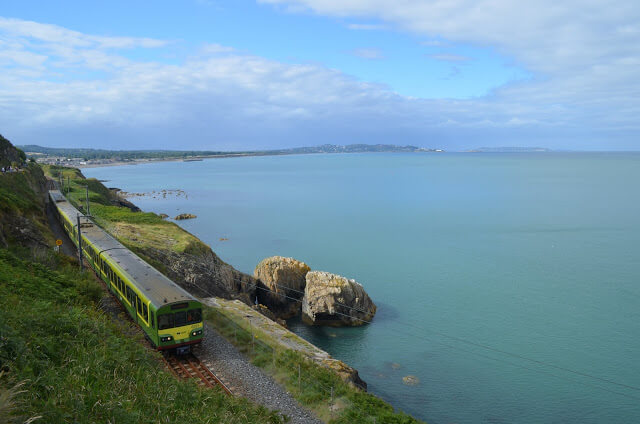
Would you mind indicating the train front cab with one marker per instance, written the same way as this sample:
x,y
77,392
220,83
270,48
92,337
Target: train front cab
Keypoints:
x,y
179,326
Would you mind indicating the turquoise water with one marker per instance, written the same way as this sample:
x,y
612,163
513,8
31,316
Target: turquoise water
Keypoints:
x,y
507,283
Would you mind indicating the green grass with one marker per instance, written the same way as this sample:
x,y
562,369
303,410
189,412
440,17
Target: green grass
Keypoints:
x,y
137,230
75,365
348,405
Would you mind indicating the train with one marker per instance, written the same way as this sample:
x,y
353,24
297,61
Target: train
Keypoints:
x,y
170,317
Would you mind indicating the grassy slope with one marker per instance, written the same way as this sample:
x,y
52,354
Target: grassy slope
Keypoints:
x,y
78,366
134,229
62,359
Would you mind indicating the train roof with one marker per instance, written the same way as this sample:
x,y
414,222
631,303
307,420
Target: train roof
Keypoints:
x,y
159,289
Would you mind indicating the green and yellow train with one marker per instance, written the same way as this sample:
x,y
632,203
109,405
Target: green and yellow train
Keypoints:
x,y
168,314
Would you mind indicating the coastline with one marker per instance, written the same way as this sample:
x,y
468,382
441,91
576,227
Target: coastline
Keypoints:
x,y
146,161
275,338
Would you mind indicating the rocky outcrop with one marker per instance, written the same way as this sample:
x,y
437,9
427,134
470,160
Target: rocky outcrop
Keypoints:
x,y
267,313
9,154
345,372
185,216
281,282
331,299
203,275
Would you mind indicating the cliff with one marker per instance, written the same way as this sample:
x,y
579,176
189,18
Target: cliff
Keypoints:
x,y
22,202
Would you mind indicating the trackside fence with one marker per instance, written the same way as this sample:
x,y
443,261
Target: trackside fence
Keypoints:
x,y
317,388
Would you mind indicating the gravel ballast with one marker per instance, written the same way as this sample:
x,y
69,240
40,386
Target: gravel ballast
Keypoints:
x,y
246,380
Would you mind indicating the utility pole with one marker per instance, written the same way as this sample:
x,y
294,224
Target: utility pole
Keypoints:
x,y
80,245
68,185
88,211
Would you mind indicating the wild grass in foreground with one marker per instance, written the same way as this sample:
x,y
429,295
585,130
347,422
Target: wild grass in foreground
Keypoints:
x,y
65,361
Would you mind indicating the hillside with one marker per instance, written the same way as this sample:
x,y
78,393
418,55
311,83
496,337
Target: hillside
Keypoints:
x,y
10,155
63,358
22,210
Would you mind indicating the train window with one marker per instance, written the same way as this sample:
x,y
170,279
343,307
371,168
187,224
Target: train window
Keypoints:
x,y
165,321
194,315
152,323
180,318
139,303
145,312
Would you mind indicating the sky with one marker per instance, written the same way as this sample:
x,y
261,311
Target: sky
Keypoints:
x,y
238,75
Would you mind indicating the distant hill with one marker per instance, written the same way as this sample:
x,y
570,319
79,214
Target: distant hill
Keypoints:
x,y
510,149
89,154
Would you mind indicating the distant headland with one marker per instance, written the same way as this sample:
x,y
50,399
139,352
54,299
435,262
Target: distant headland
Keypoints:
x,y
79,157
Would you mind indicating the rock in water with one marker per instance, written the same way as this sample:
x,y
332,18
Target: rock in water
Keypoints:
x,y
331,299
410,380
282,284
185,216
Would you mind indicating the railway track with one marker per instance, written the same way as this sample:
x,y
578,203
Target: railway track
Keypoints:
x,y
189,366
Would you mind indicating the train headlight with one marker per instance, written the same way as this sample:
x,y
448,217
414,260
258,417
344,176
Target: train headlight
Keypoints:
x,y
166,338
196,333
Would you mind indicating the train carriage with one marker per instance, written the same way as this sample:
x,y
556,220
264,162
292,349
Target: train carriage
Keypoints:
x,y
168,314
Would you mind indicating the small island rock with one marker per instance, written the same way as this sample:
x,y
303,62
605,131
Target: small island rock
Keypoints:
x,y
410,380
331,299
185,216
283,282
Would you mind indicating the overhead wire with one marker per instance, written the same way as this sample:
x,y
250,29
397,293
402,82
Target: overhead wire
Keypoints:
x,y
475,344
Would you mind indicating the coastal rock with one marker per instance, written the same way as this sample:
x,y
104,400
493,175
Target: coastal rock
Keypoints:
x,y
331,299
163,215
267,313
203,274
282,282
410,380
346,373
185,216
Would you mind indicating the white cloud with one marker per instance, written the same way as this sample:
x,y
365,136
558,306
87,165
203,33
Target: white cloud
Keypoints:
x,y
214,48
583,54
366,27
67,88
367,53
54,34
449,57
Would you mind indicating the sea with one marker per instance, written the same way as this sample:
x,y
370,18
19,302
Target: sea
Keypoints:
x,y
507,284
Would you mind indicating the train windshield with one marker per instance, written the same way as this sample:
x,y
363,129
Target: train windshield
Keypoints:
x,y
181,319
194,315
165,321
178,319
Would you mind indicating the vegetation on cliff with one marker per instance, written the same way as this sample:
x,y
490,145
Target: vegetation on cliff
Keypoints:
x,y
22,206
135,229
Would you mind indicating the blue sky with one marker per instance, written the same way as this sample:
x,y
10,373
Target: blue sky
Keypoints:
x,y
242,74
